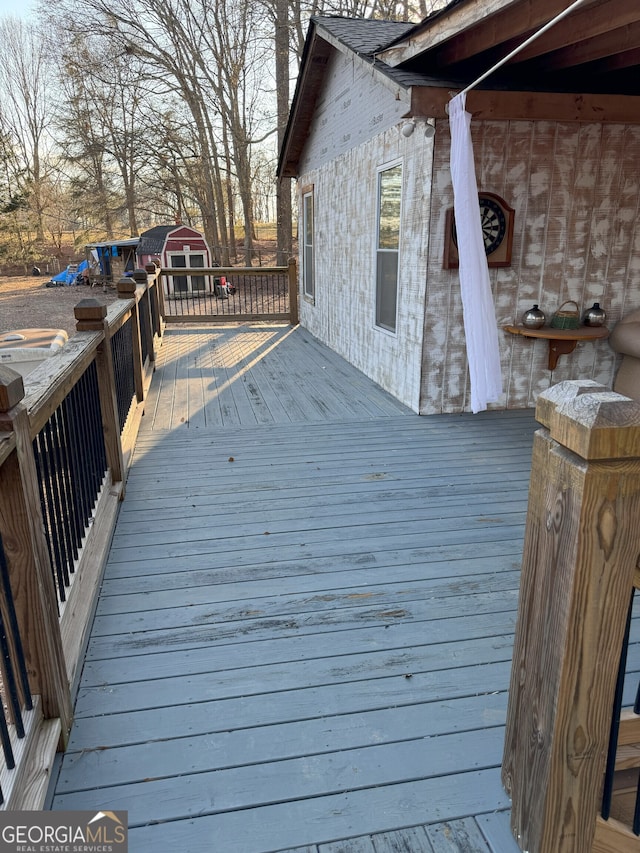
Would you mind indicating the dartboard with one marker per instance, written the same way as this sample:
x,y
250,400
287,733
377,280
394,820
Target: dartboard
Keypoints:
x,y
494,224
496,220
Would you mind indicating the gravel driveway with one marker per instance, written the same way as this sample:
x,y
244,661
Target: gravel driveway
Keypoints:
x,y
27,303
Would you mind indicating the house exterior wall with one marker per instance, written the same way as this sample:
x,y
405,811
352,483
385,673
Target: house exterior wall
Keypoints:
x,y
345,210
351,110
576,193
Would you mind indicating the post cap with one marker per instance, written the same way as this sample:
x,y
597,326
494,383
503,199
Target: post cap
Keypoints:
x,y
126,287
549,400
11,388
597,425
90,309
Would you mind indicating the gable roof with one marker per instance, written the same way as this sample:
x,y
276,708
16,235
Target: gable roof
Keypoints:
x,y
585,68
152,242
365,36
361,38
369,38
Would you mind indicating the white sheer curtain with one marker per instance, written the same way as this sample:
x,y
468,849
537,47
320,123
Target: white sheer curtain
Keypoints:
x,y
480,326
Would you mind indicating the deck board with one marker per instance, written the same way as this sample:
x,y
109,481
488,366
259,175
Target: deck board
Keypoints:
x,y
348,814
303,638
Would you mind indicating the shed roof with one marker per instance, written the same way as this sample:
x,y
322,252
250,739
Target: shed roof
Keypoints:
x,y
152,242
585,68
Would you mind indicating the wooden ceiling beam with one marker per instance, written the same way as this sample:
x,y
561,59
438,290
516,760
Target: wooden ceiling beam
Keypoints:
x,y
606,45
585,23
515,27
484,105
619,62
482,16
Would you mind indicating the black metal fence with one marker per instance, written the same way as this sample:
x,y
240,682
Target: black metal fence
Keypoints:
x,y
146,333
64,451
122,354
231,293
71,464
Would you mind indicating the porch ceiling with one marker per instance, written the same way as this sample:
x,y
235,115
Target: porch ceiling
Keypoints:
x,y
594,50
584,68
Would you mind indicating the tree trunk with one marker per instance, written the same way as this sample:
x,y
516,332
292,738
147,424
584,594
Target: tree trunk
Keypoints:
x,y
283,189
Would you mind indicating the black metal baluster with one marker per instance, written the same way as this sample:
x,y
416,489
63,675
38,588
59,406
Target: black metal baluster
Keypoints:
x,y
73,536
18,650
61,508
5,740
83,493
615,720
98,433
9,681
46,485
40,469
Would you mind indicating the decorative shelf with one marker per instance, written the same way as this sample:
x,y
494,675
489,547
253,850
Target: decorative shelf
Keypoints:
x,y
561,341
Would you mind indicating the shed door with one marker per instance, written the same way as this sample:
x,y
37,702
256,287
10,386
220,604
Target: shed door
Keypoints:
x,y
180,283
197,281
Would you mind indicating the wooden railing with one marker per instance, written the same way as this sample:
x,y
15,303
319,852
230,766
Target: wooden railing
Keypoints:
x,y
581,551
250,293
66,436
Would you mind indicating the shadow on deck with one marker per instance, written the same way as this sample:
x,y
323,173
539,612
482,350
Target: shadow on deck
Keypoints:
x,y
304,634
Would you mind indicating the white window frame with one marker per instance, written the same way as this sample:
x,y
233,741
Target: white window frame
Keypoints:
x,y
380,252
308,249
187,255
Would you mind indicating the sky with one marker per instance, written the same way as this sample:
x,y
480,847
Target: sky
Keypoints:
x,y
16,8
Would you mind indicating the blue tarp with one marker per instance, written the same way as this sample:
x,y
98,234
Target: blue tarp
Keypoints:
x,y
72,274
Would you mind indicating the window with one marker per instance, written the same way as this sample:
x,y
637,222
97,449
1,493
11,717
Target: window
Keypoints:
x,y
308,278
197,281
387,246
187,283
180,284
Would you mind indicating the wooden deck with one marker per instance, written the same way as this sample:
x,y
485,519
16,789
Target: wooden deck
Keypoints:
x,y
304,635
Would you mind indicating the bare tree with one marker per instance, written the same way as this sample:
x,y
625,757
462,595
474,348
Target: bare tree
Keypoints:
x,y
25,105
169,102
212,57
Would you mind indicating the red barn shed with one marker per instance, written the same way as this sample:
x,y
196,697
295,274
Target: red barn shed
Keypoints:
x,y
177,247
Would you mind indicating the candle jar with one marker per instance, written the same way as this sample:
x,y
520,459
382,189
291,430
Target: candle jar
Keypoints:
x,y
533,318
594,316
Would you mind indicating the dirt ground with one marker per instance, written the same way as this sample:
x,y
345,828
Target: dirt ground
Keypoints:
x,y
25,303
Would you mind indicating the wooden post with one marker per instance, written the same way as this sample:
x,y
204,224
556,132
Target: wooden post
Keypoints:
x,y
91,317
152,269
28,560
581,546
127,290
154,281
293,292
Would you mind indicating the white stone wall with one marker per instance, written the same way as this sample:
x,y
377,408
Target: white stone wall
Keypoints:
x,y
576,192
